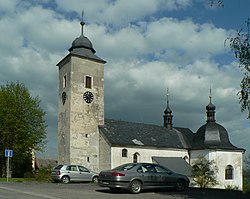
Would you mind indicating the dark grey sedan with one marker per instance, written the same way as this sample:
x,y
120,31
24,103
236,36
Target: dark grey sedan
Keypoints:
x,y
137,176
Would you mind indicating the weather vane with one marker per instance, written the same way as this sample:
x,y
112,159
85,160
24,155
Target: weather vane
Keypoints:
x,y
167,93
210,96
82,22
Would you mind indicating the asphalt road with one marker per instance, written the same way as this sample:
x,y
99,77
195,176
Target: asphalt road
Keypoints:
x,y
92,191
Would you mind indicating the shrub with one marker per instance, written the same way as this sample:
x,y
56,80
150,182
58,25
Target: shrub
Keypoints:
x,y
246,184
204,172
43,174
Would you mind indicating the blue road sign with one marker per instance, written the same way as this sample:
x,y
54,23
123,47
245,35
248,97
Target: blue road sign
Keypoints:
x,y
8,153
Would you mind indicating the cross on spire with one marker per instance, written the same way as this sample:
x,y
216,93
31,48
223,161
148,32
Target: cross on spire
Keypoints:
x,y
210,96
167,95
82,22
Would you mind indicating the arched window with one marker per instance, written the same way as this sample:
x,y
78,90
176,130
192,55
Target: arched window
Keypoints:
x,y
124,153
229,171
185,158
136,157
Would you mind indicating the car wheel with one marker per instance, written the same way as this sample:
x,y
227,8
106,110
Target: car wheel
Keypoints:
x,y
95,179
135,186
65,179
180,185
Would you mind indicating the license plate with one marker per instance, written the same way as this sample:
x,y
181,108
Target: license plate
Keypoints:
x,y
105,183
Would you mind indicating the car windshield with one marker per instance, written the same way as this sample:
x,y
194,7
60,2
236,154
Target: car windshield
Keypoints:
x,y
124,167
83,169
58,167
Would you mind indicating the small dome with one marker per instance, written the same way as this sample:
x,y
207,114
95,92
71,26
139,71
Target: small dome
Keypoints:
x,y
82,42
212,135
210,106
168,110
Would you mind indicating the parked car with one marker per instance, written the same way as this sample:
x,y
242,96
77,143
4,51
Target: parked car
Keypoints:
x,y
73,173
137,176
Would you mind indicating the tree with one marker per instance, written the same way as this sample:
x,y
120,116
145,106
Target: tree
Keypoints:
x,y
247,165
204,172
22,127
240,45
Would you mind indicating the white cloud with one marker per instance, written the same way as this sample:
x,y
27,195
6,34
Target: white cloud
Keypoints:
x,y
7,6
166,39
145,53
121,12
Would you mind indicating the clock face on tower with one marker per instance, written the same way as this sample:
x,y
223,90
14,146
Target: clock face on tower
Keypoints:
x,y
88,97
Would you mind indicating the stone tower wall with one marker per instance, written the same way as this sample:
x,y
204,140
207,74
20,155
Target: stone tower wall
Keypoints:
x,y
81,145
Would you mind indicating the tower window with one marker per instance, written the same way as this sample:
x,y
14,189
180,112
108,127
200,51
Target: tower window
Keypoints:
x,y
229,172
64,81
124,153
88,82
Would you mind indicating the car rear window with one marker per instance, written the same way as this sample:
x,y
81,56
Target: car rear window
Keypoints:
x,y
124,167
58,167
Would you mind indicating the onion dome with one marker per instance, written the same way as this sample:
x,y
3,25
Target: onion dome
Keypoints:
x,y
83,47
167,110
212,135
82,42
210,106
210,111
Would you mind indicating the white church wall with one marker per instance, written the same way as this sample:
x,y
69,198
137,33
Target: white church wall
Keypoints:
x,y
222,160
145,154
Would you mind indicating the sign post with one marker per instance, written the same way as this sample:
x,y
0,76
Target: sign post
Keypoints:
x,y
8,154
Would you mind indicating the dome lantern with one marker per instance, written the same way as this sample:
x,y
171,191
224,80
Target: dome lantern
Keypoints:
x,y
210,110
168,117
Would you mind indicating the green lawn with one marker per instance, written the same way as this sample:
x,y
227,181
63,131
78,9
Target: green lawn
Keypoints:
x,y
17,179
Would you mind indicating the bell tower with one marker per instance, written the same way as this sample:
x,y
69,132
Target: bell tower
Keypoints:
x,y
168,117
80,104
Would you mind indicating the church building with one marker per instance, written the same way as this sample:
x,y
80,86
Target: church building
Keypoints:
x,y
85,137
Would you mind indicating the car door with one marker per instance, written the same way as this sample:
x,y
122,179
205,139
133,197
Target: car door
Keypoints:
x,y
85,174
167,179
72,172
148,175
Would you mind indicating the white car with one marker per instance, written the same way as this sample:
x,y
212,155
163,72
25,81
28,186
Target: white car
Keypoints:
x,y
73,173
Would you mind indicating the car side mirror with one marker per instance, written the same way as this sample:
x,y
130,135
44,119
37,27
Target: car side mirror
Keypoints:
x,y
169,172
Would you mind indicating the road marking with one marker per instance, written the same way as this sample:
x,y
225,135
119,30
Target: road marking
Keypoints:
x,y
30,193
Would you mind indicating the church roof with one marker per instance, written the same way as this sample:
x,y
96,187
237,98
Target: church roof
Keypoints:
x,y
209,136
82,47
121,133
212,135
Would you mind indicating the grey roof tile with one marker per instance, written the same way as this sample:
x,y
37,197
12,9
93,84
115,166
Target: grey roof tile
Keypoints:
x,y
129,133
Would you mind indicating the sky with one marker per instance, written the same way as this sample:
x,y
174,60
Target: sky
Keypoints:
x,y
150,46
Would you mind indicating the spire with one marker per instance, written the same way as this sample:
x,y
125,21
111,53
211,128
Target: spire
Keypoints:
x,y
168,114
210,109
82,22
